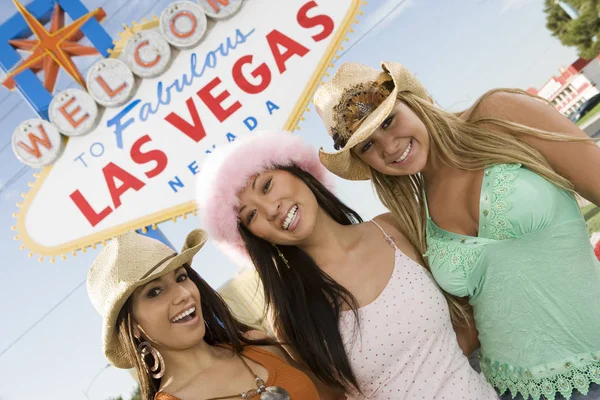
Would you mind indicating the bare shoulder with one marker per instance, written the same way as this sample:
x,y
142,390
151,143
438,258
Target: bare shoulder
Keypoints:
x,y
275,348
390,226
256,335
516,107
387,221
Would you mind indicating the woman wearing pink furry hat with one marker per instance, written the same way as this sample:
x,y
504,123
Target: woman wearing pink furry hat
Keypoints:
x,y
350,299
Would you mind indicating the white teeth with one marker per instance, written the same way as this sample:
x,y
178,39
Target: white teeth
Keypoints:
x,y
184,314
291,217
405,154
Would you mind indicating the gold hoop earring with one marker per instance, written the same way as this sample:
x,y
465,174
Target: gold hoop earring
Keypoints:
x,y
157,370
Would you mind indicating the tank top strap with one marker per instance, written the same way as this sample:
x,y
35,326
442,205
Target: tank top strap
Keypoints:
x,y
387,237
424,199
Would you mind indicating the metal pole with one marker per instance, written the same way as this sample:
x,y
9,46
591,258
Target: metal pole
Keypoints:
x,y
86,391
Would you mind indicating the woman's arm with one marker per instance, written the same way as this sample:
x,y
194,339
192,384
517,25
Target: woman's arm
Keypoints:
x,y
466,333
578,161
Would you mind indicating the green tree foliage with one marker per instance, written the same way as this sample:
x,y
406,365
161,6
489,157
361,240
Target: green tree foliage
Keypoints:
x,y
582,32
136,395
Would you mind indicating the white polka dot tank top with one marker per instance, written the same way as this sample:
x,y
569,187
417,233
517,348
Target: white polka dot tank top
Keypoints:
x,y
406,347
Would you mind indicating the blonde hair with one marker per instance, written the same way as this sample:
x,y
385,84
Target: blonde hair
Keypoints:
x,y
465,143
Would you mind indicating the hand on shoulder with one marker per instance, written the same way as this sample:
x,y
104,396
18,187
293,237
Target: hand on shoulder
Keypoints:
x,y
275,348
255,334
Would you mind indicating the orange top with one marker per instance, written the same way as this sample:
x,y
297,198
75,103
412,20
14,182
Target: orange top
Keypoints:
x,y
281,374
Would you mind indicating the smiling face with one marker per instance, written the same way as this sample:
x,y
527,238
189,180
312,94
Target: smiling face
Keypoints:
x,y
278,207
167,311
400,146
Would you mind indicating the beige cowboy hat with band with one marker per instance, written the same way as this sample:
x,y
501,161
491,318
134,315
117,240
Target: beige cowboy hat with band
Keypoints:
x,y
126,263
369,95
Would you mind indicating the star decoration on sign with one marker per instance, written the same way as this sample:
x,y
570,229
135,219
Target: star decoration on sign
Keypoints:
x,y
52,49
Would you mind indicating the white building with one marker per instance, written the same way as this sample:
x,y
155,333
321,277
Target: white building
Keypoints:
x,y
574,86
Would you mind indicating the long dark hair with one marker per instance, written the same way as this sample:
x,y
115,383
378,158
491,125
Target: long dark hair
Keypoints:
x,y
306,302
222,328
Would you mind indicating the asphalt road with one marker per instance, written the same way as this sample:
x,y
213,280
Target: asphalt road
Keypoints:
x,y
592,127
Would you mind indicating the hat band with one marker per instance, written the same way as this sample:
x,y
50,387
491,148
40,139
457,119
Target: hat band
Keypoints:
x,y
354,106
157,265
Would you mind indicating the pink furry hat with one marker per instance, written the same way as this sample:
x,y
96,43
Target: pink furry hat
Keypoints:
x,y
228,169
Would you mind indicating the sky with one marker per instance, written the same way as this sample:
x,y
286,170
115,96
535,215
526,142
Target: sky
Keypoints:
x,y
458,50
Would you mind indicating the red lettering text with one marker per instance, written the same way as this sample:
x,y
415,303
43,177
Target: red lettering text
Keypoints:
x,y
196,131
261,71
276,39
112,172
214,102
324,21
157,156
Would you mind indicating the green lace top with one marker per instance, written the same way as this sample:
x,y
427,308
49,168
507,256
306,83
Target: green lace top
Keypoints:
x,y
533,281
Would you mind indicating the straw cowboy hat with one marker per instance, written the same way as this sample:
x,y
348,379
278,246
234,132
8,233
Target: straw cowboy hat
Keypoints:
x,y
126,263
369,94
